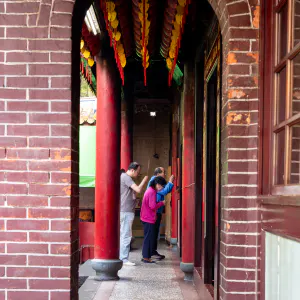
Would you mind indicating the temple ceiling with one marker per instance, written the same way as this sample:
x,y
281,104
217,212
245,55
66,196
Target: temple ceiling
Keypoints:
x,y
147,35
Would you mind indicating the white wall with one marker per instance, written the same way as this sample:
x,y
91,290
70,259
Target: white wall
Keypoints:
x,y
282,268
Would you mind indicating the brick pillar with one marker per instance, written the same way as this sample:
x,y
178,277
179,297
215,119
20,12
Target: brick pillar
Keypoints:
x,y
107,189
188,173
38,153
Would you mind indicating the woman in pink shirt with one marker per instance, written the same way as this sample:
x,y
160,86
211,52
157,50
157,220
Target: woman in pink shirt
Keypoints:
x,y
148,216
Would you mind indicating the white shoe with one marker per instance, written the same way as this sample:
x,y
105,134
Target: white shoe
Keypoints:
x,y
128,263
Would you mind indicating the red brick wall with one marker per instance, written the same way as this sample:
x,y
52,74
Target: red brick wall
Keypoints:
x,y
38,240
38,248
240,228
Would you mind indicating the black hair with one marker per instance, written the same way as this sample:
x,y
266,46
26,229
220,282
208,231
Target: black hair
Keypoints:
x,y
158,180
122,171
133,166
157,171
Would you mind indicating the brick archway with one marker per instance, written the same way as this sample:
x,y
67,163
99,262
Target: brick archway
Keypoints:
x,y
39,154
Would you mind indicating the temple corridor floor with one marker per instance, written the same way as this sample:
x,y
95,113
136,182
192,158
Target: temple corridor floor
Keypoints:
x,y
160,281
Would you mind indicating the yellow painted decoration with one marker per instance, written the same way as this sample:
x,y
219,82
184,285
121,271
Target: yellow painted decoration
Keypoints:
x,y
147,64
81,44
182,2
120,48
122,57
123,63
114,23
117,35
141,6
145,30
176,26
175,34
169,63
112,16
90,62
180,10
141,18
110,6
172,53
82,50
178,19
86,54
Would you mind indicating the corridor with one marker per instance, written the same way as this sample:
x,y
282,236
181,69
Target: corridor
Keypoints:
x,y
162,281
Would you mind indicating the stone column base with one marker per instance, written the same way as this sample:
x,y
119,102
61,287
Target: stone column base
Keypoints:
x,y
106,269
173,241
188,270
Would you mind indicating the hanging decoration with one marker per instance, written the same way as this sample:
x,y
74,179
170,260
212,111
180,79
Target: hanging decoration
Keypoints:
x,y
86,53
113,28
145,28
88,75
89,48
89,45
177,31
86,63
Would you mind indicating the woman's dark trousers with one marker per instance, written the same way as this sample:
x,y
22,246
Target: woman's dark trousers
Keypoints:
x,y
149,236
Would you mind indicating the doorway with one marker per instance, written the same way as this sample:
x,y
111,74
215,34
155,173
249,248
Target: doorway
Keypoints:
x,y
211,151
211,167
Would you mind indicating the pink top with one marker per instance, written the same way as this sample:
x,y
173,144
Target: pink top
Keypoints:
x,y
150,206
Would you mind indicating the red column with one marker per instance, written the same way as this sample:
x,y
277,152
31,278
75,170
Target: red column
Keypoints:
x,y
107,190
188,174
174,231
126,135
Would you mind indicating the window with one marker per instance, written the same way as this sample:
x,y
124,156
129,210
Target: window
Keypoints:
x,y
284,96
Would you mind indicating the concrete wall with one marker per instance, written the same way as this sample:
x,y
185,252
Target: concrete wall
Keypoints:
x,y
86,198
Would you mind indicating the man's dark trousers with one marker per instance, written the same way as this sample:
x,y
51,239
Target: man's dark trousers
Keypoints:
x,y
156,232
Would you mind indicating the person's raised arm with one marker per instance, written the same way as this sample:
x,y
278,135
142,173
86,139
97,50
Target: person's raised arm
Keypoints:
x,y
168,188
138,188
